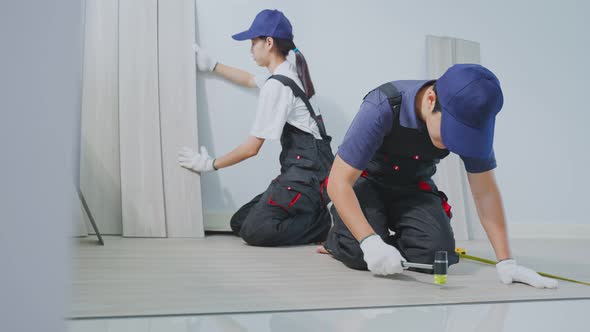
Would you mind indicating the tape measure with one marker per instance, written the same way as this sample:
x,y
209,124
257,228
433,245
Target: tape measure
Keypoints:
x,y
463,254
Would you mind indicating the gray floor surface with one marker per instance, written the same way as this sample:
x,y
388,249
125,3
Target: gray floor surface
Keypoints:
x,y
220,274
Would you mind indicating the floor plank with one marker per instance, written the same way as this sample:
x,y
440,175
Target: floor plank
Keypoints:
x,y
100,176
142,194
178,116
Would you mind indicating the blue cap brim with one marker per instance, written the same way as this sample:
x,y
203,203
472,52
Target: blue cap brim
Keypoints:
x,y
464,140
244,35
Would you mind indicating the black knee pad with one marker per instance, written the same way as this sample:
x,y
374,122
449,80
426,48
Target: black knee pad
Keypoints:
x,y
255,233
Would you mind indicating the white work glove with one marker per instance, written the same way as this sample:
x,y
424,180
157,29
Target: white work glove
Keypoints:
x,y
204,61
509,272
381,258
198,162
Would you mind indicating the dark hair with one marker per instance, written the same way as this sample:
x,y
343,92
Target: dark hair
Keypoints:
x,y
437,106
286,45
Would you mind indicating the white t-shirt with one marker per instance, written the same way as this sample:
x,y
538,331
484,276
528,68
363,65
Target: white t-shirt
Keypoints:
x,y
278,105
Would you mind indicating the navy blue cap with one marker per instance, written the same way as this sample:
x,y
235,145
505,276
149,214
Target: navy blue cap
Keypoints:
x,y
268,23
470,96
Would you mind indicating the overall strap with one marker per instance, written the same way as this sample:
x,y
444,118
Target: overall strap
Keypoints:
x,y
300,94
393,95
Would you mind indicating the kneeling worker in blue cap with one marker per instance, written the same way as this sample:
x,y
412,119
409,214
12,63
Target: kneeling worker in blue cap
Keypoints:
x,y
381,179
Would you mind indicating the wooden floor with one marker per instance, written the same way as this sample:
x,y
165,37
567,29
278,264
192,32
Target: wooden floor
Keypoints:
x,y
220,274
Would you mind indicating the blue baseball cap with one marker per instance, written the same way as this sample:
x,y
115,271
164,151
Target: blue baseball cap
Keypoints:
x,y
470,96
268,23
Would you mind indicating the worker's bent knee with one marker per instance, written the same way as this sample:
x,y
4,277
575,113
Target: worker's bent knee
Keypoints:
x,y
257,236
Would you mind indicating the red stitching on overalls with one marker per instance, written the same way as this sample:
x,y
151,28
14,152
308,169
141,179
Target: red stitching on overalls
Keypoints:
x,y
424,186
295,200
323,184
271,202
446,207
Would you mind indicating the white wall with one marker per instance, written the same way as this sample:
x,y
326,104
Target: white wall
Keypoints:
x,y
537,49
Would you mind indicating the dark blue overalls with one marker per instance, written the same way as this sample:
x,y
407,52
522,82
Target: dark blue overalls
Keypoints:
x,y
293,208
396,192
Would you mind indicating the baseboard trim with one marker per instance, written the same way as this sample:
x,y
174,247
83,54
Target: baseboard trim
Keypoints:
x,y
220,222
549,231
217,221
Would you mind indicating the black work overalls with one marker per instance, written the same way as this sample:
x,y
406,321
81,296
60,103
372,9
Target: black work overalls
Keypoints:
x,y
396,193
293,209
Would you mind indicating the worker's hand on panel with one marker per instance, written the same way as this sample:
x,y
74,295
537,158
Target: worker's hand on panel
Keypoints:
x,y
204,61
198,162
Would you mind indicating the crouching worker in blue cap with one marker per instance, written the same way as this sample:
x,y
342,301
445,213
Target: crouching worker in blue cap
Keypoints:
x,y
293,209
381,178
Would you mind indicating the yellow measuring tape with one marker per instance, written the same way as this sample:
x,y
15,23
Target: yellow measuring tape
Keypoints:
x,y
463,254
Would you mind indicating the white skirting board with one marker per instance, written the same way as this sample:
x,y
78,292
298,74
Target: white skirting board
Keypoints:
x,y
178,116
100,178
549,231
217,221
139,120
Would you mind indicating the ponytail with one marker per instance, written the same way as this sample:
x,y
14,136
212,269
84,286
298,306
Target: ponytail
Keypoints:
x,y
286,45
303,73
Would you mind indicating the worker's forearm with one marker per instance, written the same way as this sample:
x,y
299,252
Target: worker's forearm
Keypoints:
x,y
491,214
236,75
241,153
349,209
